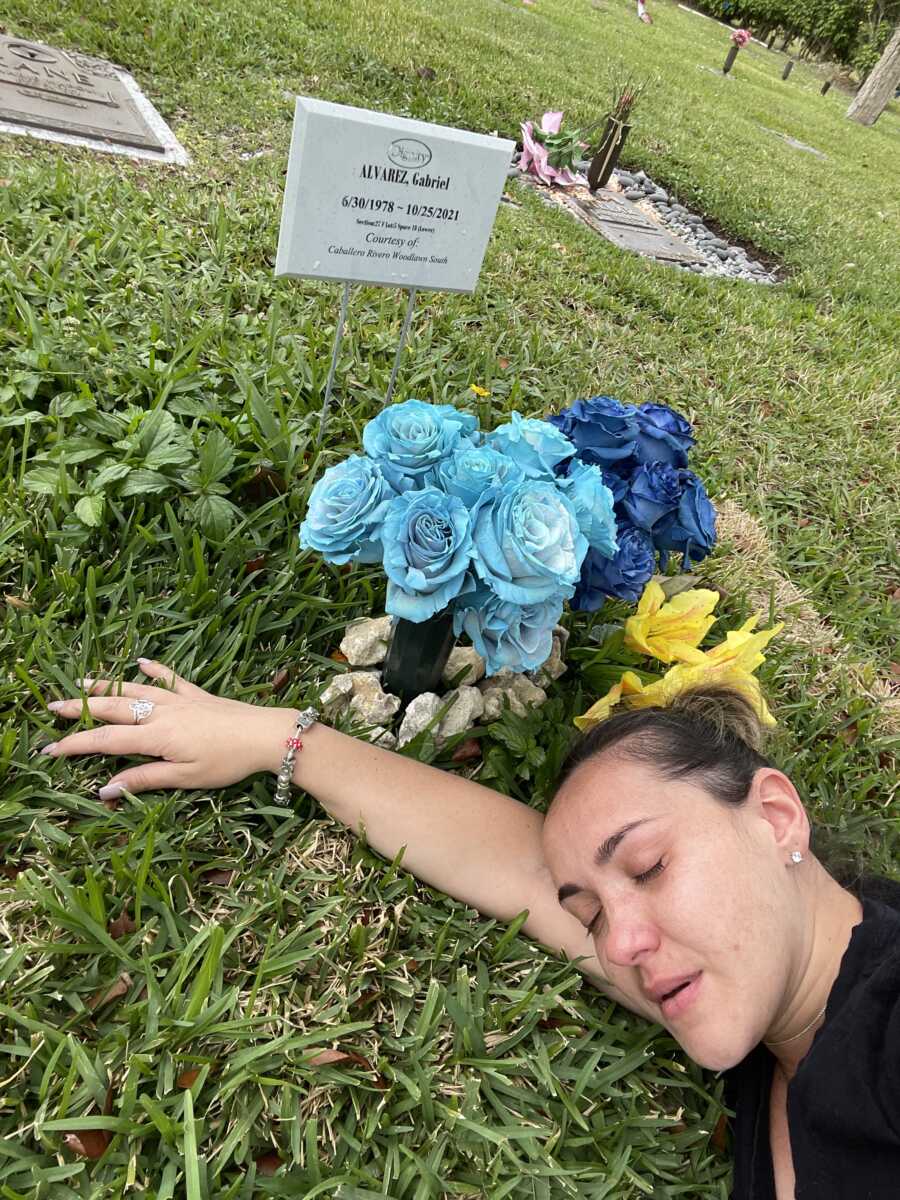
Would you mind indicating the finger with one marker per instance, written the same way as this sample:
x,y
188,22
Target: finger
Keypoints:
x,y
181,687
135,691
148,777
114,709
105,739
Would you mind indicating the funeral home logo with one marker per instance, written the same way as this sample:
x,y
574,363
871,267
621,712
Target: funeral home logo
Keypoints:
x,y
408,152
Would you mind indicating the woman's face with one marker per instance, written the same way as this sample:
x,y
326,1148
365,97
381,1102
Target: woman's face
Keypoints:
x,y
675,886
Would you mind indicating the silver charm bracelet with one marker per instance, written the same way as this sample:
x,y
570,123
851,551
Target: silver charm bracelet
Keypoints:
x,y
307,717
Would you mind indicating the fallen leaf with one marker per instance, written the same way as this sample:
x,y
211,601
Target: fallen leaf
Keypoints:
x,y
255,564
107,995
220,875
425,73
338,656
280,680
849,734
187,1078
718,1137
264,483
803,522
504,363
412,965
893,593
121,925
268,1164
11,870
15,601
89,1143
467,751
327,1058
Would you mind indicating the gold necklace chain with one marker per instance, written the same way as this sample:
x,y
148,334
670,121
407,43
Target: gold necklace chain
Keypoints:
x,y
794,1037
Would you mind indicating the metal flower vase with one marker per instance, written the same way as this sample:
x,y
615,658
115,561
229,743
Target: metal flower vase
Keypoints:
x,y
604,161
417,656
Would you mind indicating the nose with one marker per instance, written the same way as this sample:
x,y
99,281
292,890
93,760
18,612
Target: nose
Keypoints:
x,y
629,934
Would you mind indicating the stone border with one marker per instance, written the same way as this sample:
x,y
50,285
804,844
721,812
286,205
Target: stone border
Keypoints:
x,y
174,153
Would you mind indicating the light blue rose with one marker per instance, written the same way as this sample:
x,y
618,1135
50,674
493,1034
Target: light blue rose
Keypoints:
x,y
593,504
427,552
533,444
528,545
410,440
345,512
506,635
473,469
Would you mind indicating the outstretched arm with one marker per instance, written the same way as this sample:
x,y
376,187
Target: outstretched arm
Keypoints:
x,y
471,842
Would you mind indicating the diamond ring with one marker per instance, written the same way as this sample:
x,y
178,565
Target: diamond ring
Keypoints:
x,y
141,709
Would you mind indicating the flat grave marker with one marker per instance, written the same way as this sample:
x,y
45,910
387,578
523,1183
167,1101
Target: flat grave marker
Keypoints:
x,y
65,96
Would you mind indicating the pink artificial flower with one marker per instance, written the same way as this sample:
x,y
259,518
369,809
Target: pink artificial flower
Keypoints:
x,y
741,37
535,158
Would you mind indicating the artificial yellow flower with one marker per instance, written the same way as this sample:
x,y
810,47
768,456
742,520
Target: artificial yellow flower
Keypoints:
x,y
628,685
479,391
731,664
670,630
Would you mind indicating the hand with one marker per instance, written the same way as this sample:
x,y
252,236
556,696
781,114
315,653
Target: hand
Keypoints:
x,y
199,740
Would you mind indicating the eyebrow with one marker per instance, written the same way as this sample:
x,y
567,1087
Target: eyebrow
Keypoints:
x,y
603,854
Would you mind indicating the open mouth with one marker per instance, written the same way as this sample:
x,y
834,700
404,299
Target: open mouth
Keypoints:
x,y
680,998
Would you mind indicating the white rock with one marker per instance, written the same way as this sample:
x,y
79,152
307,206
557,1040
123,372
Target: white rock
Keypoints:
x,y
553,667
366,641
468,705
359,694
460,657
337,696
420,712
521,693
380,736
370,704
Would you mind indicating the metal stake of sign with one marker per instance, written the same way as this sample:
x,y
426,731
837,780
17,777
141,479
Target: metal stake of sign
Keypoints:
x,y
403,332
338,335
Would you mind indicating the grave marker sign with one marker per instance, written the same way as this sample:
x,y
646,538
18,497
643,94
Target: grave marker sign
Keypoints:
x,y
374,198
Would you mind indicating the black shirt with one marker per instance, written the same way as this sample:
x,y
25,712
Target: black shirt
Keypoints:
x,y
843,1103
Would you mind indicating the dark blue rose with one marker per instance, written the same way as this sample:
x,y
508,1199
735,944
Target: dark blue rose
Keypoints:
x,y
602,430
623,576
616,479
689,530
653,493
663,435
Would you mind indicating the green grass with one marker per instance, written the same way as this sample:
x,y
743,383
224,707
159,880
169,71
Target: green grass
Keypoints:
x,y
482,1067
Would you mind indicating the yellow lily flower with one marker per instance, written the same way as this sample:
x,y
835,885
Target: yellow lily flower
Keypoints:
x,y
628,685
670,630
731,663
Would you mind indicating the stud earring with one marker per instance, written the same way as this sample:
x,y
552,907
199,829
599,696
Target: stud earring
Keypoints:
x,y
796,857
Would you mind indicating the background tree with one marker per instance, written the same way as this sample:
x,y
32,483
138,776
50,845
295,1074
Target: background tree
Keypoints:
x,y
869,102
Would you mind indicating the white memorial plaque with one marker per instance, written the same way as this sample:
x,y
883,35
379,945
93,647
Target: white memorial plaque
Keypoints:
x,y
380,199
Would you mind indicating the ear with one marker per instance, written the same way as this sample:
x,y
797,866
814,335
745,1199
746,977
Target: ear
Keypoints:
x,y
774,799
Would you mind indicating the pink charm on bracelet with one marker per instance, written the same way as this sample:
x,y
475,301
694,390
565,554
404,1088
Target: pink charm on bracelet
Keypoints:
x,y
294,743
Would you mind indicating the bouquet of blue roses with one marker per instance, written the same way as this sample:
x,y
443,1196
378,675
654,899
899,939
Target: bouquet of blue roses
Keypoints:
x,y
499,528
661,507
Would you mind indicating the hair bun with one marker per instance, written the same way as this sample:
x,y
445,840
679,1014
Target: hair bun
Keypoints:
x,y
723,707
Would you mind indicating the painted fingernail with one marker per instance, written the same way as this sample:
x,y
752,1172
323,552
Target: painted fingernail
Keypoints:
x,y
51,749
144,660
55,705
112,791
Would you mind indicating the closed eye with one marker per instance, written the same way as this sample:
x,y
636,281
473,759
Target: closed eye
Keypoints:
x,y
643,878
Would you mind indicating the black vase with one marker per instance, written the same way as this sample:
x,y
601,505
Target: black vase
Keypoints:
x,y
604,161
418,655
729,58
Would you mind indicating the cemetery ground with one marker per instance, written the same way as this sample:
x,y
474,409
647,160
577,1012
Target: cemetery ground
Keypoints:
x,y
180,968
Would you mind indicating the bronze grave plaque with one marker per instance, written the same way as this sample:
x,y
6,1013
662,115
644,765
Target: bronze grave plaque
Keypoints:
x,y
65,92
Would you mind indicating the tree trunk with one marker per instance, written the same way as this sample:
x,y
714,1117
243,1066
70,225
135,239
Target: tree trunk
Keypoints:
x,y
869,102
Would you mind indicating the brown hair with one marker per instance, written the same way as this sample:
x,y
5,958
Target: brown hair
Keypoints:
x,y
709,735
